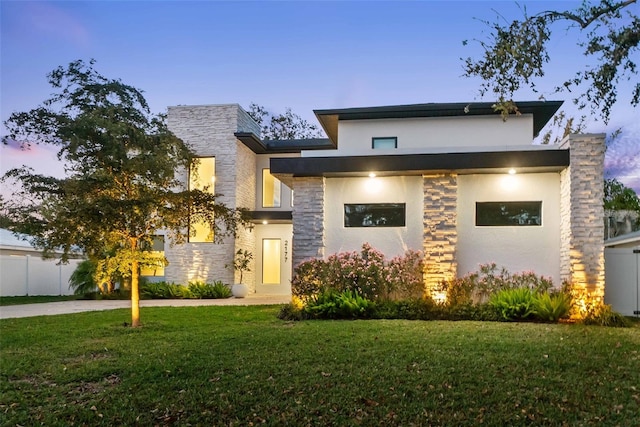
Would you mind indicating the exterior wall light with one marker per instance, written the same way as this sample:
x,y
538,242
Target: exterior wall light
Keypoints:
x,y
265,222
372,175
512,171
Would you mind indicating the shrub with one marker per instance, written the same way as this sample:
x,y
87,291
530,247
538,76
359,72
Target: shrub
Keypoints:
x,y
603,315
338,305
163,290
201,290
479,286
514,304
553,306
366,274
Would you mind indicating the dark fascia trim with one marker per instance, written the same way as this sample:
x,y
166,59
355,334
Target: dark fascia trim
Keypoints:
x,y
271,216
419,163
542,112
258,146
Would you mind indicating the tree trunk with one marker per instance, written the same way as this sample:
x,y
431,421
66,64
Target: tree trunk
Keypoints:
x,y
135,294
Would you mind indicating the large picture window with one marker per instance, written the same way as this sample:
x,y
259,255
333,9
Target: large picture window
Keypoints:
x,y
508,214
202,176
375,215
271,190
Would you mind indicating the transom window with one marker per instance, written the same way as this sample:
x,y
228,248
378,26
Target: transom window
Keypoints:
x,y
202,176
375,215
508,214
384,142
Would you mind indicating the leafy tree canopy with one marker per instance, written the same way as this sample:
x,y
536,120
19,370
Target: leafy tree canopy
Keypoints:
x,y
122,184
619,197
282,126
515,54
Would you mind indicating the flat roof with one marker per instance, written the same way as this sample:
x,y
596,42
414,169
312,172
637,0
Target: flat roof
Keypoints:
x,y
542,112
259,146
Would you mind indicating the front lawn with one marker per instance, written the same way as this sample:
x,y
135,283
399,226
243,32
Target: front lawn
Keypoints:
x,y
35,299
243,366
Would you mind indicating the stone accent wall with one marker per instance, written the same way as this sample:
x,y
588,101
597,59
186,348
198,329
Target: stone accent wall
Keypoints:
x,y
245,194
582,213
440,233
209,131
308,219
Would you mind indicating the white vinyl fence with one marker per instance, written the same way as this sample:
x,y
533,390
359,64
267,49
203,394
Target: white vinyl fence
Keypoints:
x,y
623,280
31,275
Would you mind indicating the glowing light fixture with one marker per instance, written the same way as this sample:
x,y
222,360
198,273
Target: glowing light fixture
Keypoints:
x,y
512,171
372,175
265,222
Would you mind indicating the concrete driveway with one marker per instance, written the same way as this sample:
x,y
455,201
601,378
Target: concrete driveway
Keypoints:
x,y
67,307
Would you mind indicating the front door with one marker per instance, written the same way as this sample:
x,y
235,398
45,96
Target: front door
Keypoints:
x,y
273,259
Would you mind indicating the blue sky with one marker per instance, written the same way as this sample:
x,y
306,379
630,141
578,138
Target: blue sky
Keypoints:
x,y
303,55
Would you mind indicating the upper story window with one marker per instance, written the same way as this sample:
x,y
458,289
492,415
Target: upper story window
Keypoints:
x,y
384,143
271,190
202,176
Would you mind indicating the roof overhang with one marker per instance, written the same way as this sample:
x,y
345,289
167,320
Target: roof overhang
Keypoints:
x,y
272,217
525,161
281,146
542,112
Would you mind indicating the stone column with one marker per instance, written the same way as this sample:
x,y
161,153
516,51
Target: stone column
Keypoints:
x,y
581,216
440,229
308,219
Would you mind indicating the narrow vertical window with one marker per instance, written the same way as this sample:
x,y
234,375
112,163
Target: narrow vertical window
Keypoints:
x,y
271,189
156,249
271,261
202,176
384,143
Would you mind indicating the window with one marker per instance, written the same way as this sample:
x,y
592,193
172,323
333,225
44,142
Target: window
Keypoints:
x,y
202,176
271,190
156,249
384,143
507,214
375,215
271,261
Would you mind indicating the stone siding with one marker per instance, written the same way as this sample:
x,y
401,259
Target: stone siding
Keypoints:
x,y
440,228
582,213
209,131
308,219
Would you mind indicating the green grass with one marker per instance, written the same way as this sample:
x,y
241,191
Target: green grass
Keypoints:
x,y
241,365
36,299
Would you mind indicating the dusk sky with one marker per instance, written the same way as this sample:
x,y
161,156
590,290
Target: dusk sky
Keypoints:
x,y
303,55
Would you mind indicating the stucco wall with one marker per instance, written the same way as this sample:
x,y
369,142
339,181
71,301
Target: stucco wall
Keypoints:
x,y
516,248
474,133
391,241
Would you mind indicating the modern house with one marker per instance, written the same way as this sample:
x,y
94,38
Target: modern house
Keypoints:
x,y
452,180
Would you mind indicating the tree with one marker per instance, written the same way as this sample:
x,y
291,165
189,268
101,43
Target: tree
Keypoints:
x,y
515,55
283,126
122,184
618,197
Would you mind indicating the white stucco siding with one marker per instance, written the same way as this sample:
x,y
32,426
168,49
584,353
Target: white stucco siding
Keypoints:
x,y
534,248
391,241
431,134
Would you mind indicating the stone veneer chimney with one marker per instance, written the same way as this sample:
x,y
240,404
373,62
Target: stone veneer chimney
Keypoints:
x,y
581,217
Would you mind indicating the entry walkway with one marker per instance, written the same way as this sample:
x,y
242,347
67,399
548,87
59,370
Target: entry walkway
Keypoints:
x,y
67,307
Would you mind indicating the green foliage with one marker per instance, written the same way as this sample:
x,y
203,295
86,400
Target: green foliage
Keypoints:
x,y
619,197
515,55
282,126
551,307
366,273
81,280
514,304
330,304
122,184
216,290
241,262
478,286
603,315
